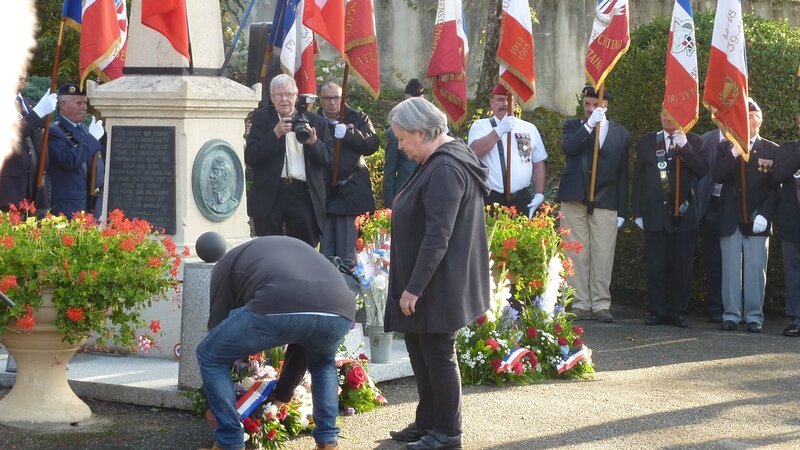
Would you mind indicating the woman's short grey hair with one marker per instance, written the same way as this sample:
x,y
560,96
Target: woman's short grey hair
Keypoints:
x,y
417,114
280,81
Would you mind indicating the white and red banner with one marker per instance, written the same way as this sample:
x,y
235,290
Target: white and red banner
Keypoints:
x,y
101,39
682,93
609,40
327,20
726,88
361,44
448,65
516,51
298,49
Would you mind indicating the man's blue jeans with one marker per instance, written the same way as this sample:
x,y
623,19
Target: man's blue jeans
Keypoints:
x,y
245,333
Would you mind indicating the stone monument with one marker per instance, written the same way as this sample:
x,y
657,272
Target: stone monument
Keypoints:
x,y
175,132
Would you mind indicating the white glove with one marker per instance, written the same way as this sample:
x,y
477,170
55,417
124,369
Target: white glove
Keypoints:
x,y
96,128
639,223
679,138
534,204
339,130
735,151
598,115
506,125
620,221
759,224
46,105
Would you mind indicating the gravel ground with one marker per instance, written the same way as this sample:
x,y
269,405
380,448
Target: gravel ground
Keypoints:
x,y
656,387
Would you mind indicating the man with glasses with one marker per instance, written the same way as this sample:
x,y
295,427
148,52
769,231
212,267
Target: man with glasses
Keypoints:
x,y
350,193
288,191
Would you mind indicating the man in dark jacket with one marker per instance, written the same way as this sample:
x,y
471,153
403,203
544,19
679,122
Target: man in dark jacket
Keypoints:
x,y
708,202
74,155
288,191
669,231
19,169
786,178
596,231
268,292
351,195
744,236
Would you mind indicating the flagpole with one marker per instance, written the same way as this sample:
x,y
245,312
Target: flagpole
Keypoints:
x,y
49,118
509,99
236,37
268,50
593,182
335,174
745,216
675,207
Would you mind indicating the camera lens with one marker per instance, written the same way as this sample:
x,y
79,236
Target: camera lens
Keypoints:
x,y
301,132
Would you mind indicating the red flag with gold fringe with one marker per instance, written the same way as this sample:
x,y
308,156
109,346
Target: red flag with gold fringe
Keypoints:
x,y
448,65
516,52
361,44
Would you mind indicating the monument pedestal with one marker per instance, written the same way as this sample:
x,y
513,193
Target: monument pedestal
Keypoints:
x,y
165,135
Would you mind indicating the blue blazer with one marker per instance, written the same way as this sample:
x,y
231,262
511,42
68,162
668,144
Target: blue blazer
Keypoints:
x,y
69,157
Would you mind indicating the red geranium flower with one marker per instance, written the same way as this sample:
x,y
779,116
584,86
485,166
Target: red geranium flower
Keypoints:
x,y
251,425
8,282
493,344
67,240
271,434
155,326
75,314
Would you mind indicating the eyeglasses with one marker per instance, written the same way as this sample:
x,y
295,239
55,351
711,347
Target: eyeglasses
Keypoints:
x,y
284,96
335,99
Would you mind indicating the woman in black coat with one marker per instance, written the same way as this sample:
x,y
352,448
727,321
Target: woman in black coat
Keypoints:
x,y
439,278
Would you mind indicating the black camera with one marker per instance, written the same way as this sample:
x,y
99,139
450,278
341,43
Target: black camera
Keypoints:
x,y
300,123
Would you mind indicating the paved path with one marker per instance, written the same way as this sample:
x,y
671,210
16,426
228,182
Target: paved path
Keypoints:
x,y
656,387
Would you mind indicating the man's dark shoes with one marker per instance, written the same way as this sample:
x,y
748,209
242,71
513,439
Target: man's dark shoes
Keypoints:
x,y
728,325
793,330
410,433
680,322
653,319
754,327
436,441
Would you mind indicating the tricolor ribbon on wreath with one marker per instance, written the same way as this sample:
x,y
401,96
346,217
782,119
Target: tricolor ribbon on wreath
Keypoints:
x,y
517,355
573,360
254,397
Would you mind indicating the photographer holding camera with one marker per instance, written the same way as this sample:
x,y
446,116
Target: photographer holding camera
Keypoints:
x,y
288,149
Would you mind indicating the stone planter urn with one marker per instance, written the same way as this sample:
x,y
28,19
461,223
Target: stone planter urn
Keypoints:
x,y
41,394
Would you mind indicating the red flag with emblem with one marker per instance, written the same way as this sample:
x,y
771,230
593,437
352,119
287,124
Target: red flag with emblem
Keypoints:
x,y
516,52
361,44
448,65
609,40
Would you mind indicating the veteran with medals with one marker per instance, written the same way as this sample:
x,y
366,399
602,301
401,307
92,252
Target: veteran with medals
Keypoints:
x,y
667,161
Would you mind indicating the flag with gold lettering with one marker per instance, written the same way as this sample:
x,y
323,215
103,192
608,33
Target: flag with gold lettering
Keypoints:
x,y
609,40
515,52
448,65
682,93
361,44
726,87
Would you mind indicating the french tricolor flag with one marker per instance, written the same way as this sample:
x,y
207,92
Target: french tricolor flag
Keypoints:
x,y
514,357
255,396
682,94
573,360
726,87
296,42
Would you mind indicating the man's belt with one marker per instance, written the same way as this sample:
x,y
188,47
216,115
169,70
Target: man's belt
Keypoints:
x,y
292,181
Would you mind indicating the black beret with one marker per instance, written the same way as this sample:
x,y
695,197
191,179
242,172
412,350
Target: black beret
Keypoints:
x,y
588,91
752,105
70,89
414,88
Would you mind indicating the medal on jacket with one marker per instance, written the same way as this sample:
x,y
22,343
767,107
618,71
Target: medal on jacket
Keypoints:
x,y
797,174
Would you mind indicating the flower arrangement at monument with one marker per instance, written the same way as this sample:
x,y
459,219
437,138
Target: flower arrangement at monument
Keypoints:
x,y
358,393
373,256
102,276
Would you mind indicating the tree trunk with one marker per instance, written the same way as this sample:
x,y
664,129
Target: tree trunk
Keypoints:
x,y
489,66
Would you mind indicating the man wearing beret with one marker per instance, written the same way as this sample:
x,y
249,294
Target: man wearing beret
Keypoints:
x,y
744,237
786,178
74,155
595,229
488,139
668,161
19,170
397,167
